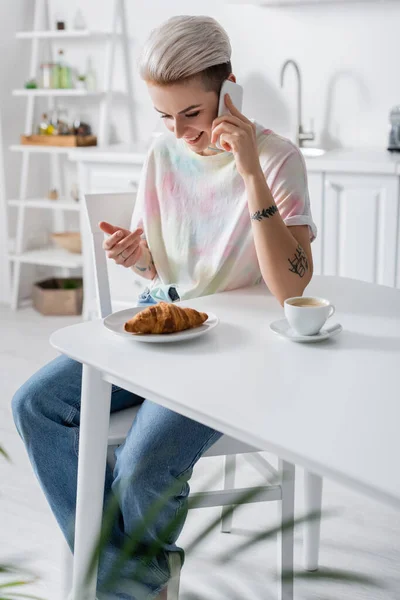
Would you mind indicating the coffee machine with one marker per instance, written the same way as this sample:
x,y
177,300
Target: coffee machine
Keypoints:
x,y
394,129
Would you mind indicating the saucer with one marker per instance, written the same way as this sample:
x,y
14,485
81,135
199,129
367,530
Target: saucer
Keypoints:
x,y
282,327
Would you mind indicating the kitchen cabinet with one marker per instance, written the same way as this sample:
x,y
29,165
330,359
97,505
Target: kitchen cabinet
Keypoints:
x,y
357,216
112,178
360,227
316,191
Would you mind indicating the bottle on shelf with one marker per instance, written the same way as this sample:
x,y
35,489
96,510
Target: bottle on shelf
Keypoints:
x,y
54,121
45,127
64,72
47,72
60,21
63,121
91,80
79,20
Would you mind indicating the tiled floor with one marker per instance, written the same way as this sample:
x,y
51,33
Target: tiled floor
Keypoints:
x,y
364,537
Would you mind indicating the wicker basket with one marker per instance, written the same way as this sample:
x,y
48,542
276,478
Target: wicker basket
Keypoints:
x,y
69,240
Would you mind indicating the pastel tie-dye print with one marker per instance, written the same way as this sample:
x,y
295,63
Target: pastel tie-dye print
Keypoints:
x,y
194,214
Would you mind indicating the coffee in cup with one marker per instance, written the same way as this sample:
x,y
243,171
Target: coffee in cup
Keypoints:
x,y
307,314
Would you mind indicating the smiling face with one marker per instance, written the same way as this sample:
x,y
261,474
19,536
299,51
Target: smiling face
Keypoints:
x,y
188,111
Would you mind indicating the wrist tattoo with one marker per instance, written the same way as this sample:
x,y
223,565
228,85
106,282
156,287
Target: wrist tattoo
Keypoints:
x,y
143,269
265,213
299,264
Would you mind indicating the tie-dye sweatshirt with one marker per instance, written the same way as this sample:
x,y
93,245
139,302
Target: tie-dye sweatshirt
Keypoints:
x,y
194,213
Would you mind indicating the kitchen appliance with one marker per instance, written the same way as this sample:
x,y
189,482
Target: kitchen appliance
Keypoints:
x,y
394,129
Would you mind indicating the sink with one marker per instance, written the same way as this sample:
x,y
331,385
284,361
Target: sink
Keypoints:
x,y
312,152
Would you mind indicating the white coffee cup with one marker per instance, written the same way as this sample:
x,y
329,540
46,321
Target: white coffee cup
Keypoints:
x,y
307,314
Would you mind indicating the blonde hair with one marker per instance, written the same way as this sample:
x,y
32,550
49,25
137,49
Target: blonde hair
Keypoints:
x,y
185,47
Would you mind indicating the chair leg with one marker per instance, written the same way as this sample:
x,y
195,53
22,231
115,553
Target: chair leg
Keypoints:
x,y
286,535
229,484
312,503
67,569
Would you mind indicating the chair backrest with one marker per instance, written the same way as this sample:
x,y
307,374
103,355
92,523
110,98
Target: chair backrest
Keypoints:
x,y
117,209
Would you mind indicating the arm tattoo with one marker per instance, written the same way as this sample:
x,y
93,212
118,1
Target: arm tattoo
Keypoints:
x,y
265,213
299,264
143,269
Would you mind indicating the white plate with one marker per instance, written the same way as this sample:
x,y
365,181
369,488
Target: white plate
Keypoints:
x,y
283,329
115,323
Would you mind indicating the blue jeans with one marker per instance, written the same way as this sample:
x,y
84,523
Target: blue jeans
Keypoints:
x,y
160,450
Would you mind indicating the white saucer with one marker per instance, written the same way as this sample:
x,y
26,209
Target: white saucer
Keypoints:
x,y
282,328
115,323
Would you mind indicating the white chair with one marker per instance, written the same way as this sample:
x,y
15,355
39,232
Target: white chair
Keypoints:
x,y
117,209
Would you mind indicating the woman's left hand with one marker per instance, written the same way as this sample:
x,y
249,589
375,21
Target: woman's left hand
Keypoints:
x,y
238,135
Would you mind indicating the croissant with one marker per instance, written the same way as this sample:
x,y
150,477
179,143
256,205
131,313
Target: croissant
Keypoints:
x,y
165,318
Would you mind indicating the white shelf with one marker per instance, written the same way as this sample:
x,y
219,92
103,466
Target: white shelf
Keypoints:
x,y
61,34
53,92
49,256
48,149
59,204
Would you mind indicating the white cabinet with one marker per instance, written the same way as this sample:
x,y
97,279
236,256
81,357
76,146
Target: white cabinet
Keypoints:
x,y
316,190
357,216
112,178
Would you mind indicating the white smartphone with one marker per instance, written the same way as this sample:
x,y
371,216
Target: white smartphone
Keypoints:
x,y
236,93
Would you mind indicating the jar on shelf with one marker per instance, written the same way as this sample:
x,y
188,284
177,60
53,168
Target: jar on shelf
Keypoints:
x,y
47,76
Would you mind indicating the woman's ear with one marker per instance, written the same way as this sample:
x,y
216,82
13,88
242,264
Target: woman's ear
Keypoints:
x,y
232,78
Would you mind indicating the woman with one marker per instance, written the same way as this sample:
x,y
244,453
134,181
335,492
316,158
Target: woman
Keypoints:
x,y
205,221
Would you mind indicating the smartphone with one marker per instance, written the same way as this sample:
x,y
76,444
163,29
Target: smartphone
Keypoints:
x,y
236,93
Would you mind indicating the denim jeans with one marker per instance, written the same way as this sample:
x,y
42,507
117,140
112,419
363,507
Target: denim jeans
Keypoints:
x,y
160,450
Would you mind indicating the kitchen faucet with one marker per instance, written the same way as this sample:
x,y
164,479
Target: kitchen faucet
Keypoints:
x,y
301,135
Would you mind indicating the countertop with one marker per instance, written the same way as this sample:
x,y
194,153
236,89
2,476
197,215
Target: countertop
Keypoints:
x,y
343,160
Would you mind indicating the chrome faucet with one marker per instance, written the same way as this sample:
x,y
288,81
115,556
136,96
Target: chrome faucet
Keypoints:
x,y
301,135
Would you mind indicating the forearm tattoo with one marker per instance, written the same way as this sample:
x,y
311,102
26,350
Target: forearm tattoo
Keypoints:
x,y
299,264
265,213
148,268
142,269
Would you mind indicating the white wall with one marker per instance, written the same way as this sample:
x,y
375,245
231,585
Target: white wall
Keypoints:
x,y
348,55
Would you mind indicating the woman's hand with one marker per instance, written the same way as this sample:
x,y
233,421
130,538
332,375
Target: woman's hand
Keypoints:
x,y
122,245
238,135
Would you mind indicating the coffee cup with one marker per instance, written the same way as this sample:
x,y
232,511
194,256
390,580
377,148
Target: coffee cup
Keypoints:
x,y
307,314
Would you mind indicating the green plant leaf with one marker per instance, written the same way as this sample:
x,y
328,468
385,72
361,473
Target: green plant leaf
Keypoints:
x,y
133,542
21,596
135,537
338,576
69,284
273,531
4,453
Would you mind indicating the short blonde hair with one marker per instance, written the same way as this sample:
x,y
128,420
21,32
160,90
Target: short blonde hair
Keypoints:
x,y
185,47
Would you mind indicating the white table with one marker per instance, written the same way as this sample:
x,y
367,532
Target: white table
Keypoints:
x,y
332,407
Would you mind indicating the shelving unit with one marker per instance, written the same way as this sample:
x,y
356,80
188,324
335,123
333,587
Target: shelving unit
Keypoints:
x,y
50,255
46,203
61,34
55,93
